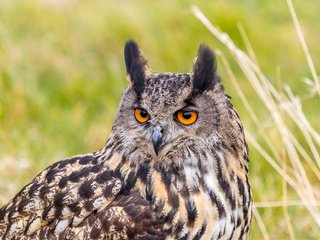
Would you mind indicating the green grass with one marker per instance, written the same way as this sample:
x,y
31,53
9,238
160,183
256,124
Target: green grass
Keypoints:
x,y
62,75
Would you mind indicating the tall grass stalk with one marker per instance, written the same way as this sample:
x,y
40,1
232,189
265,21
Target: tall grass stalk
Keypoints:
x,y
297,162
316,83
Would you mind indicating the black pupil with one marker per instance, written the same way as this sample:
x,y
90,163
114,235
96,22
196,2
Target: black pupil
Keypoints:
x,y
143,113
186,115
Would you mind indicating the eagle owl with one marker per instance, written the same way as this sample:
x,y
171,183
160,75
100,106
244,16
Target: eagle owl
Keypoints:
x,y
174,167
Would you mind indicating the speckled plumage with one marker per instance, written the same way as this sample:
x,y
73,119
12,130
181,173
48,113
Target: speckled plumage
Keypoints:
x,y
194,187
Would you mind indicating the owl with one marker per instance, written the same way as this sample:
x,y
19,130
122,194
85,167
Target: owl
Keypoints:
x,y
175,166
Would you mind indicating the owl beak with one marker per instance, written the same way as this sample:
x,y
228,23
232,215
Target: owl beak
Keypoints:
x,y
157,138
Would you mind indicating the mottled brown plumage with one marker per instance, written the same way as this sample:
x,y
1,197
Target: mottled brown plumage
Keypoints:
x,y
176,171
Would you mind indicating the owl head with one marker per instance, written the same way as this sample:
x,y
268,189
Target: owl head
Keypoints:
x,y
175,114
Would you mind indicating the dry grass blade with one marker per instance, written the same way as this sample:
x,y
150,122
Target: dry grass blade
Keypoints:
x,y
281,107
304,47
285,203
261,224
247,42
277,204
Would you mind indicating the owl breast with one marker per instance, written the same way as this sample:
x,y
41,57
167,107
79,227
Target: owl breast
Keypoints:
x,y
206,197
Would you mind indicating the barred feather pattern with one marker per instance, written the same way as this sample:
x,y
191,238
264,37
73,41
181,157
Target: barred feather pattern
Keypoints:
x,y
195,187
104,195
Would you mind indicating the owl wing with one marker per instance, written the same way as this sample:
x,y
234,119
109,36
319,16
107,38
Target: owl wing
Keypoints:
x,y
74,199
127,217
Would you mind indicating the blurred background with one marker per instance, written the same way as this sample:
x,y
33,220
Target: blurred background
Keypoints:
x,y
62,75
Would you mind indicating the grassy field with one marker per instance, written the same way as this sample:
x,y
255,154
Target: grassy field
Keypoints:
x,y
62,75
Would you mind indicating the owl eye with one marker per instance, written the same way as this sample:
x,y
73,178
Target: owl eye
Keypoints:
x,y
187,117
141,115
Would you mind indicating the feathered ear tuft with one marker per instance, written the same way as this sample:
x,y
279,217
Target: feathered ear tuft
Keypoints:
x,y
136,65
204,70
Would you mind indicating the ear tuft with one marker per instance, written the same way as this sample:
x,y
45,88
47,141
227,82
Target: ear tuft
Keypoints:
x,y
204,70
136,65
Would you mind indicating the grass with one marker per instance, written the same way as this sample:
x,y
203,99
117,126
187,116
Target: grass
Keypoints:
x,y
62,75
295,166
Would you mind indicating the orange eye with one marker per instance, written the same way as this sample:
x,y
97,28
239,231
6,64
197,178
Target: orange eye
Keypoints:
x,y
187,117
141,115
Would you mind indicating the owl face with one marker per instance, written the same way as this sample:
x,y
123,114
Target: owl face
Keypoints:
x,y
164,113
